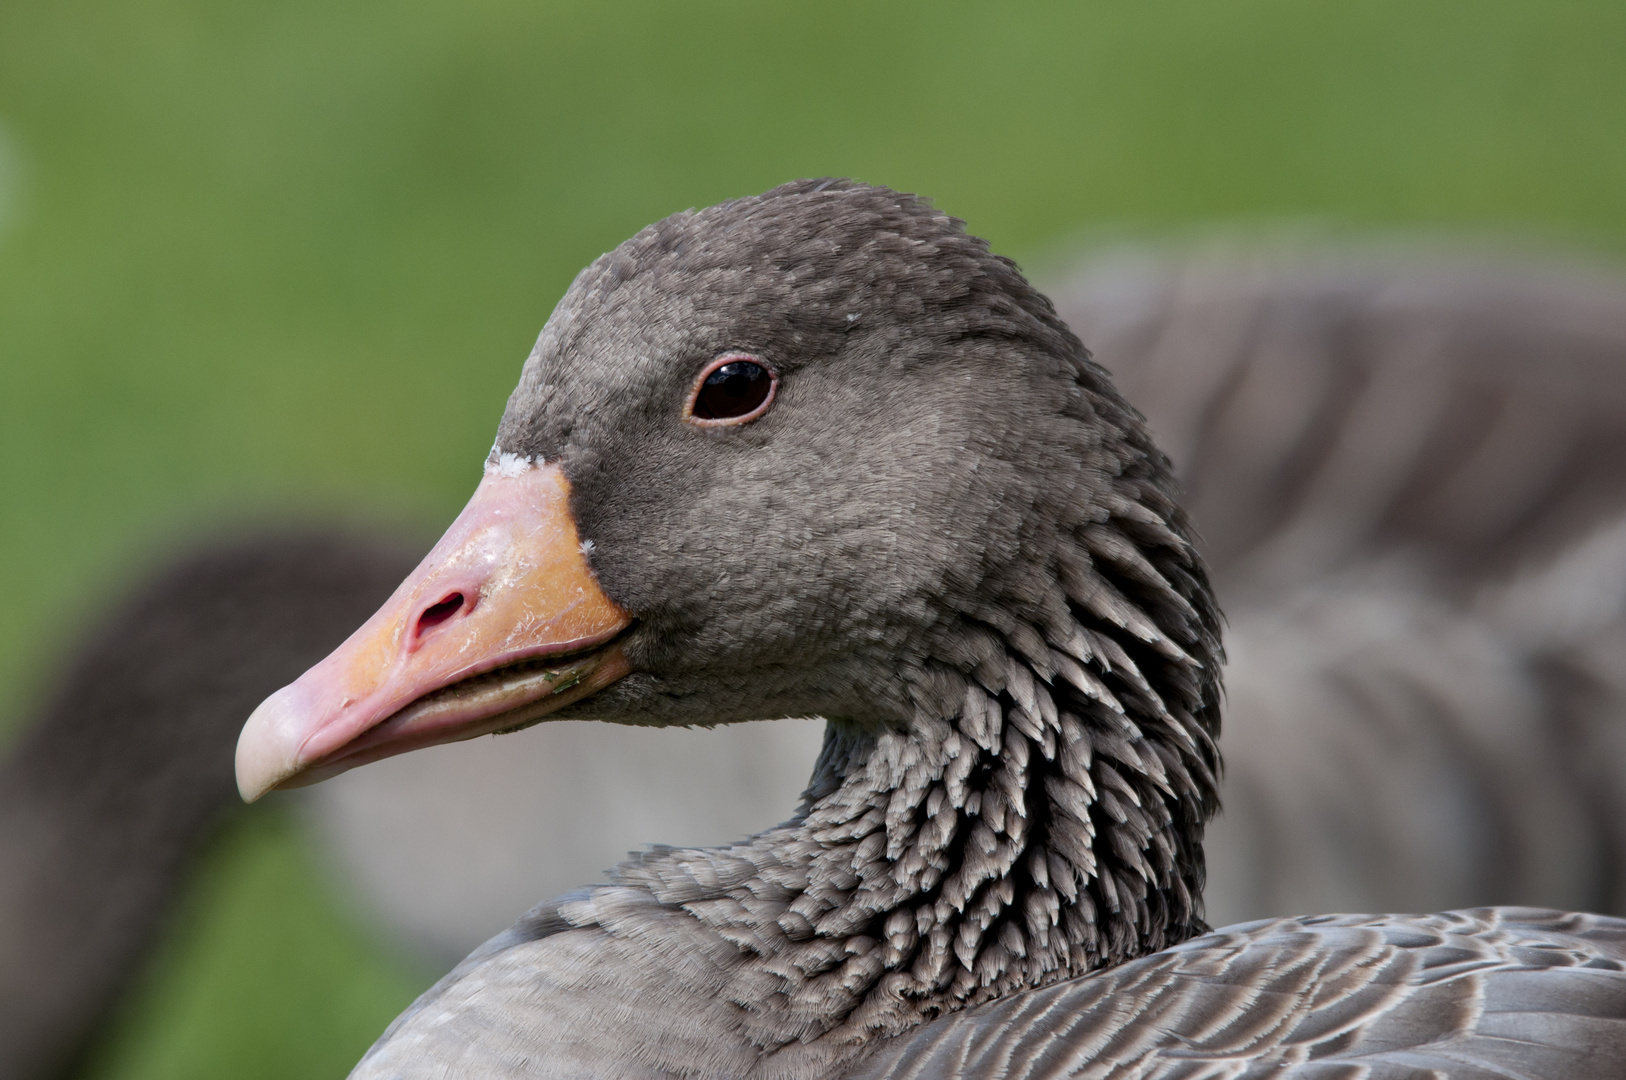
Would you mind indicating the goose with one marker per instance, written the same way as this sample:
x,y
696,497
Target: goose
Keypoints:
x,y
1426,708
1204,343
820,452
125,769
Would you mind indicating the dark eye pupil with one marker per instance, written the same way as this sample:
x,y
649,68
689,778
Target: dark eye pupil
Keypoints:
x,y
734,389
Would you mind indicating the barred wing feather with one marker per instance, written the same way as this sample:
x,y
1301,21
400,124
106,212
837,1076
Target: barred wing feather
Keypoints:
x,y
1505,993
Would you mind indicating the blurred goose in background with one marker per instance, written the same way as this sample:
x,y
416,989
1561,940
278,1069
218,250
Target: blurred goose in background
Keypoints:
x,y
819,452
1464,667
1409,475
126,768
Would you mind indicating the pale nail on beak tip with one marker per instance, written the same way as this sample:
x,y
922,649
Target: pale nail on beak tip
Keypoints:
x,y
267,750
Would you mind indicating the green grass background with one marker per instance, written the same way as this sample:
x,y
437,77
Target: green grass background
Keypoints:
x,y
259,258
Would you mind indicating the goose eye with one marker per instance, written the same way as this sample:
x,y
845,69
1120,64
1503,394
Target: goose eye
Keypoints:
x,y
731,390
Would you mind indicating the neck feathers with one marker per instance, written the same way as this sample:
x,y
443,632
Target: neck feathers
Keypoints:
x,y
1041,817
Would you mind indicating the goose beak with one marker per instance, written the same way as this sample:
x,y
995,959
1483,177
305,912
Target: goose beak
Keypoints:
x,y
500,625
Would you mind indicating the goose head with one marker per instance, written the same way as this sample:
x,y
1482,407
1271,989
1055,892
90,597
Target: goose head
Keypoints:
x,y
815,452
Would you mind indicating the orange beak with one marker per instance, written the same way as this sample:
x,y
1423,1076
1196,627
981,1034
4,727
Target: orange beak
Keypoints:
x,y
500,625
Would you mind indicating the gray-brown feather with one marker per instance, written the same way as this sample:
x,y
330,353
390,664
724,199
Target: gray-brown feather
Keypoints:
x,y
1505,993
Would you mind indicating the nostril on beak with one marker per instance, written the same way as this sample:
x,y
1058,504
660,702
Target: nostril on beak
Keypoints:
x,y
438,613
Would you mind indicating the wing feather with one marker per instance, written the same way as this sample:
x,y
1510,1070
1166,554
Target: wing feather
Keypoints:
x,y
1503,993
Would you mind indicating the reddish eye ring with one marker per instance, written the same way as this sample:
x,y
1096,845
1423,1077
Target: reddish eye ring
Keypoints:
x,y
735,388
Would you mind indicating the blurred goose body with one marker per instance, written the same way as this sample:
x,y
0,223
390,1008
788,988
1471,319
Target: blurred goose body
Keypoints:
x,y
1410,475
820,453
126,771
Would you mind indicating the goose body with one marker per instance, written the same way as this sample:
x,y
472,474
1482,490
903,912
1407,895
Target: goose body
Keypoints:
x,y
820,453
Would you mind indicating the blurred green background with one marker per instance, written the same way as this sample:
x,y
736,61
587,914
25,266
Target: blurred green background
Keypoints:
x,y
265,258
